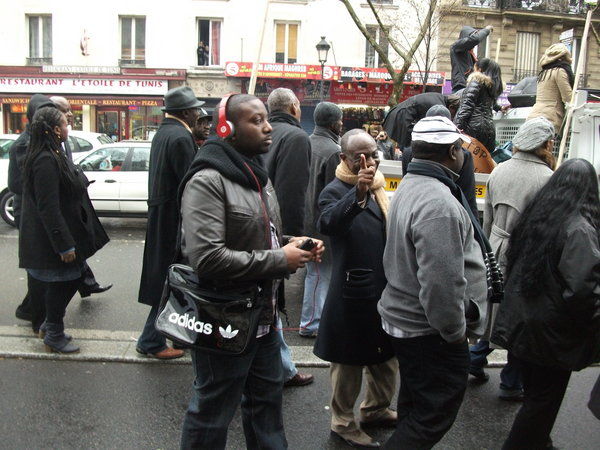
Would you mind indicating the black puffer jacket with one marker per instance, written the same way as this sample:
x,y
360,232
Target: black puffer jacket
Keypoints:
x,y
560,327
474,116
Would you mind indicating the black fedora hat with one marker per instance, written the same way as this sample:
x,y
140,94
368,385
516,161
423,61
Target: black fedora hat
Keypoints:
x,y
181,98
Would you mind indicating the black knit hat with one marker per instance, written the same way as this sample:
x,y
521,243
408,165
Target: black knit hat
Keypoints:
x,y
327,113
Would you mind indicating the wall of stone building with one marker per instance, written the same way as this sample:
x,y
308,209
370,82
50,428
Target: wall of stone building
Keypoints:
x,y
505,28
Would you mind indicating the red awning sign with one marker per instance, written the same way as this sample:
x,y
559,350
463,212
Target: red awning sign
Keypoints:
x,y
285,71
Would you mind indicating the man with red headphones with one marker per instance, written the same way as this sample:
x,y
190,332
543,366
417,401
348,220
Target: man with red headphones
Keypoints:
x,y
231,236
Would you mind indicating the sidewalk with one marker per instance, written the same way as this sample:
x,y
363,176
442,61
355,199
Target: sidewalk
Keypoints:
x,y
119,346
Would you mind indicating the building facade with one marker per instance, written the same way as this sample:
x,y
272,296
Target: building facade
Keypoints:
x,y
114,61
523,29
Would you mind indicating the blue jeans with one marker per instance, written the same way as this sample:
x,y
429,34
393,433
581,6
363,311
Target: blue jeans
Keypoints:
x,y
316,285
151,341
255,379
510,376
289,369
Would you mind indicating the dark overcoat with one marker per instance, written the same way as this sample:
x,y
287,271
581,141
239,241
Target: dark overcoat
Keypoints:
x,y
171,154
350,330
55,219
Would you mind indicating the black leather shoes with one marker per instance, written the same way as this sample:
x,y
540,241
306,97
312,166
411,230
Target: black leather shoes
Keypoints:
x,y
87,291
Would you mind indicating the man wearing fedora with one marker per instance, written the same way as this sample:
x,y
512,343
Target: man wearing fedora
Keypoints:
x,y
172,151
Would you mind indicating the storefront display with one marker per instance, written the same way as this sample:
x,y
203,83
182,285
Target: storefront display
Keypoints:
x,y
124,103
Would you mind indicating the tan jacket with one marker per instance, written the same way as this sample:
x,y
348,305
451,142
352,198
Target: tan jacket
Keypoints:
x,y
552,94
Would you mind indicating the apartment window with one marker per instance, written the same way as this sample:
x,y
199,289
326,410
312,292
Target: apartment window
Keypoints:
x,y
526,55
286,43
209,42
133,40
40,39
371,56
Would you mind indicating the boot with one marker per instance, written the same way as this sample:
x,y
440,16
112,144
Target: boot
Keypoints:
x,y
56,341
42,332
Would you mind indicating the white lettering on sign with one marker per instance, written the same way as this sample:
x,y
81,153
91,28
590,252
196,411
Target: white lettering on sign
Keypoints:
x,y
61,85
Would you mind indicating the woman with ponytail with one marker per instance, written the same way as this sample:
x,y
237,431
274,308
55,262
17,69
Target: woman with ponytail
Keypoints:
x,y
59,227
478,101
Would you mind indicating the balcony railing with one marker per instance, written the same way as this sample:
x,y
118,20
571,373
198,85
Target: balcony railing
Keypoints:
x,y
132,62
542,6
519,74
47,61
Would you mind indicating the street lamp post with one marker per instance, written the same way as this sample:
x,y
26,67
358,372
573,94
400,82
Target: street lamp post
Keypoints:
x,y
322,50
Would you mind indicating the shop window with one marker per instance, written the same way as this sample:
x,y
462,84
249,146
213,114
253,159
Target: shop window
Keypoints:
x,y
286,43
526,55
133,41
371,56
17,118
209,42
40,39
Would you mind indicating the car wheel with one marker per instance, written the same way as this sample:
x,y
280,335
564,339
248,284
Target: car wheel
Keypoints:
x,y
7,208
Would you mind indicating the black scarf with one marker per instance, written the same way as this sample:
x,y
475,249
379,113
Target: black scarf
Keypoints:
x,y
560,65
433,171
221,156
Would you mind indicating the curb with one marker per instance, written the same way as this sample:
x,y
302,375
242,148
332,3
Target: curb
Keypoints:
x,y
119,347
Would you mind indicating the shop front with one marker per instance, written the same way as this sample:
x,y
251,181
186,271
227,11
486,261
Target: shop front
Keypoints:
x,y
123,105
362,93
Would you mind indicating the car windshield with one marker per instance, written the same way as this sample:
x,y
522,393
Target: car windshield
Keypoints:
x,y
5,145
104,139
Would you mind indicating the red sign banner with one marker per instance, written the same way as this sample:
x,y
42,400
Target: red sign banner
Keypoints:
x,y
381,75
369,94
285,71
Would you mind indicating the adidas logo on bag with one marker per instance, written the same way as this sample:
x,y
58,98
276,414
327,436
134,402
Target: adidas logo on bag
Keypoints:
x,y
192,324
227,333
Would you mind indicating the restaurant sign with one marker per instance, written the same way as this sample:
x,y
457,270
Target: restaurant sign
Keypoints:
x,y
59,85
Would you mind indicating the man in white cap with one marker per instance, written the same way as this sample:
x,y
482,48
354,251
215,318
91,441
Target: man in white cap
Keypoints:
x,y
436,290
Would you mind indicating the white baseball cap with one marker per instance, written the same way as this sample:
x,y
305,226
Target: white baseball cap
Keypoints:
x,y
437,130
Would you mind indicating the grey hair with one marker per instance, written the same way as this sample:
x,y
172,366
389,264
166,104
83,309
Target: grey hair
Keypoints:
x,y
281,99
345,141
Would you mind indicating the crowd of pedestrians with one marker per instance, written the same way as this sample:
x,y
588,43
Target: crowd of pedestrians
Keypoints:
x,y
393,290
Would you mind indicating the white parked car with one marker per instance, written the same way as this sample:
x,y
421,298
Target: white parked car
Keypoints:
x,y
119,178
82,143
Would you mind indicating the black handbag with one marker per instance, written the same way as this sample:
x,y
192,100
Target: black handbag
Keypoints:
x,y
206,319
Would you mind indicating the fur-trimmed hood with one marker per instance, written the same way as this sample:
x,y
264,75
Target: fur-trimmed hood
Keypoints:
x,y
481,78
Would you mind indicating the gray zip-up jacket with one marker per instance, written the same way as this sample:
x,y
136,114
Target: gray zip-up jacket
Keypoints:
x,y
433,265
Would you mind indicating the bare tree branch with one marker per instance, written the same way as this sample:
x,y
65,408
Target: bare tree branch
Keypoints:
x,y
385,30
382,54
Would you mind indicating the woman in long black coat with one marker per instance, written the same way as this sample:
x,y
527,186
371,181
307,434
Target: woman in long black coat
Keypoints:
x,y
550,316
350,334
59,229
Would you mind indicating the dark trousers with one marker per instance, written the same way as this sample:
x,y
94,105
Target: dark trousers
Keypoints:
x,y
544,389
151,341
58,296
510,376
32,302
433,381
255,379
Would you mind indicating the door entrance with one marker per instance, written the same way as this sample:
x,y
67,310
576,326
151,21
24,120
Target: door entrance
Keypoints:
x,y
113,122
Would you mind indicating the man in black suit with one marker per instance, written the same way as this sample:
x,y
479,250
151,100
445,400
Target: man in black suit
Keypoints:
x,y
171,154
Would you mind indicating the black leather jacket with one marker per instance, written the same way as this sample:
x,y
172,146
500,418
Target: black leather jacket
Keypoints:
x,y
226,239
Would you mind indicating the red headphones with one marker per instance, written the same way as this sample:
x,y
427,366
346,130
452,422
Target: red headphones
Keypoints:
x,y
225,128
